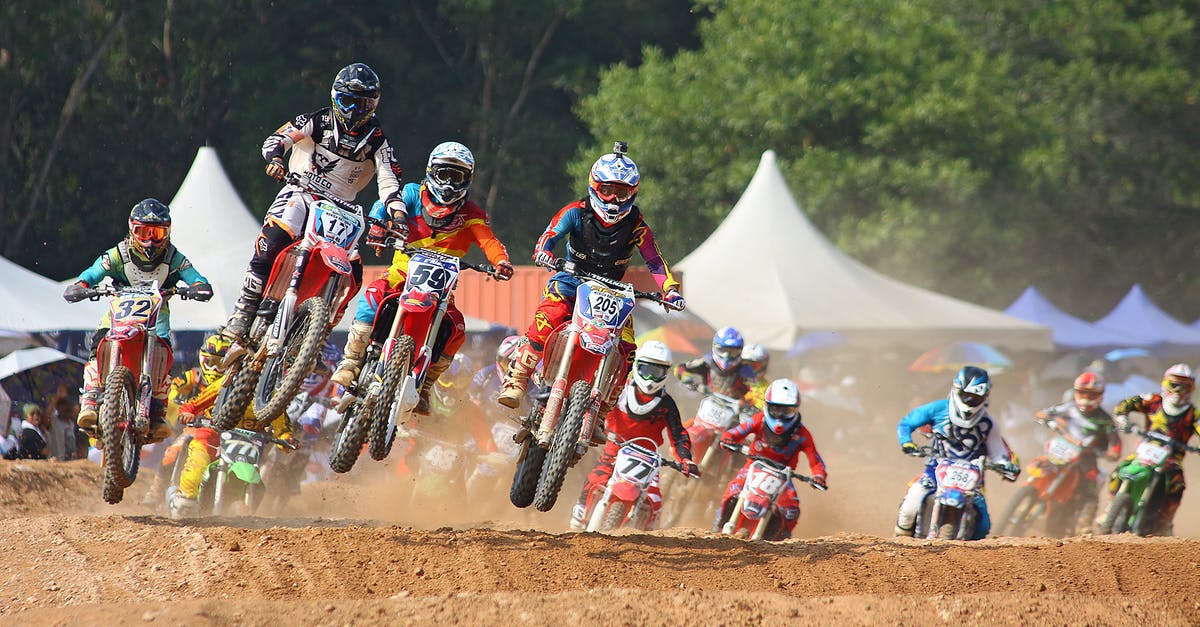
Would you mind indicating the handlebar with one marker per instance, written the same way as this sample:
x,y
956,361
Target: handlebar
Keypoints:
x,y
929,452
395,240
108,289
1161,437
562,265
302,182
745,450
266,438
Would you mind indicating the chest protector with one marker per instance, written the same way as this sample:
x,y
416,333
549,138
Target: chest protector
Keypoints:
x,y
137,275
603,250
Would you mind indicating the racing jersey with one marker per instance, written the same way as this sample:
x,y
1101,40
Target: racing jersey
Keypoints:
x,y
734,383
1094,430
334,161
663,415
468,225
800,441
602,250
117,264
951,441
1179,428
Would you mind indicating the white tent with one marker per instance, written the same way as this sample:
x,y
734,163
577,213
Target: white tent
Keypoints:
x,y
212,226
769,272
32,302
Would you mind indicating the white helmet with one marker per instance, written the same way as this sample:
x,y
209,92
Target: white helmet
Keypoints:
x,y
1177,385
650,366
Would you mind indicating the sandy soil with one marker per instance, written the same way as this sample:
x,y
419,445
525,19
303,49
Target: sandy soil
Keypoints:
x,y
361,550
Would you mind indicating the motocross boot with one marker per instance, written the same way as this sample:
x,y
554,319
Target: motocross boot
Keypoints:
x,y
356,346
159,429
182,507
519,369
434,371
901,532
238,326
89,401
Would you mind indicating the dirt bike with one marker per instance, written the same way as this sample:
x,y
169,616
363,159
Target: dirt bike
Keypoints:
x,y
403,336
1049,491
1137,505
716,414
131,359
755,514
311,281
581,366
948,511
624,501
232,483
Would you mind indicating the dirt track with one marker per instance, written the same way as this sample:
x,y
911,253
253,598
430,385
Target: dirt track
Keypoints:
x,y
69,566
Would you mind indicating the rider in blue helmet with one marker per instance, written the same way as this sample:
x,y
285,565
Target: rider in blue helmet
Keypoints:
x,y
721,371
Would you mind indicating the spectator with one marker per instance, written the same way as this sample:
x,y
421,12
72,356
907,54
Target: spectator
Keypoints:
x,y
31,444
65,440
10,429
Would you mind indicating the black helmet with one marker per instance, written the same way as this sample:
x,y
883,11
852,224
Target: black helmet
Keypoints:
x,y
149,231
355,95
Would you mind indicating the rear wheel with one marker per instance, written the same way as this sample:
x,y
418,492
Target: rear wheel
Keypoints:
x,y
121,450
562,447
399,365
1017,517
283,374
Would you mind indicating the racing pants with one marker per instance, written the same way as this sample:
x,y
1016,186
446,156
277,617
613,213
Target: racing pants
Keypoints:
x,y
923,486
201,451
787,505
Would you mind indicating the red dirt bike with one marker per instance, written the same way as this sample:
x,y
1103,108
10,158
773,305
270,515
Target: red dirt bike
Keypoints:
x,y
131,359
311,281
580,365
623,502
717,414
755,515
403,335
1050,490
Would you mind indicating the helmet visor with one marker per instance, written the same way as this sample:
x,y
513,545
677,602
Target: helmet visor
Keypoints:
x,y
449,175
615,192
651,372
149,233
970,400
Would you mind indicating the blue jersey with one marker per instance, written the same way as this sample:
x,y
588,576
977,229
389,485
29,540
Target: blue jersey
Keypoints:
x,y
951,441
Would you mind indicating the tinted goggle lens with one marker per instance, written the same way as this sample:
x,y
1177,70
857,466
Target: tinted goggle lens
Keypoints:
x,y
150,232
782,412
350,101
1177,387
652,372
1089,394
619,192
446,175
970,400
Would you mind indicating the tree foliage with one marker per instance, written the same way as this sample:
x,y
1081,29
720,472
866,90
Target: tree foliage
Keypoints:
x,y
974,148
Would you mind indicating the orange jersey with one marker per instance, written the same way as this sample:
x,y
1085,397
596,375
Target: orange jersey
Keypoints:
x,y
469,225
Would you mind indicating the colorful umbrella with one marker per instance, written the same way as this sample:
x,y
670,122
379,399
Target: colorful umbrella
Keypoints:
x,y
952,357
33,374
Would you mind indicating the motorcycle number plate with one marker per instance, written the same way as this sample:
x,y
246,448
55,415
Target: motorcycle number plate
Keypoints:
x,y
133,308
1152,453
716,414
960,478
1062,451
337,226
765,482
431,274
439,458
236,448
634,466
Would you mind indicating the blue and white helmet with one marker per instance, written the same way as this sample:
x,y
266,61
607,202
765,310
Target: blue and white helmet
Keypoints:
x,y
613,185
448,176
781,411
969,396
727,348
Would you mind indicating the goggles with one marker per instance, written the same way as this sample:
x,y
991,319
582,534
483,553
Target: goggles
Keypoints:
x,y
1089,394
971,400
149,232
651,372
1176,386
211,361
727,353
449,175
782,412
351,102
615,192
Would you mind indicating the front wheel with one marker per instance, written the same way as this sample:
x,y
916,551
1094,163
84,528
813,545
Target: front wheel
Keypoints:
x,y
1018,516
348,441
562,447
399,365
615,515
121,449
1116,519
283,374
525,478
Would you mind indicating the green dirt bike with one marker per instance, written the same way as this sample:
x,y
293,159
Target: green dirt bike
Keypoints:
x,y
232,483
1138,502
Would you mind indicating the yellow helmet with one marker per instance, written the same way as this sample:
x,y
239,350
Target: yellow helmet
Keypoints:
x,y
212,353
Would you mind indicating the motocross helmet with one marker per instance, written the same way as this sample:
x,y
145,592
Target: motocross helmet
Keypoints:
x,y
968,396
212,353
1088,391
613,185
354,95
650,366
727,348
781,411
1177,385
506,350
451,387
448,176
149,233
326,364
757,357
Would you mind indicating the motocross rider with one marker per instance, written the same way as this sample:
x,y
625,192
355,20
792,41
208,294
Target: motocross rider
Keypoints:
x,y
602,230
722,371
485,384
643,410
337,149
962,429
144,256
758,359
437,215
1082,420
1171,413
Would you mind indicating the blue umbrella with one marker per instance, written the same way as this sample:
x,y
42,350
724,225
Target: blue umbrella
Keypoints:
x,y
1125,353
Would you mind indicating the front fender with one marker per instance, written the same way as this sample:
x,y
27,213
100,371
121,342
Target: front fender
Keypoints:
x,y
248,473
625,491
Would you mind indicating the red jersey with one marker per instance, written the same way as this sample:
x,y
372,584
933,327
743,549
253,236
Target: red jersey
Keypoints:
x,y
800,441
664,415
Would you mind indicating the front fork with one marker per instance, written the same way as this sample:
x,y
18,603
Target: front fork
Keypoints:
x,y
287,305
